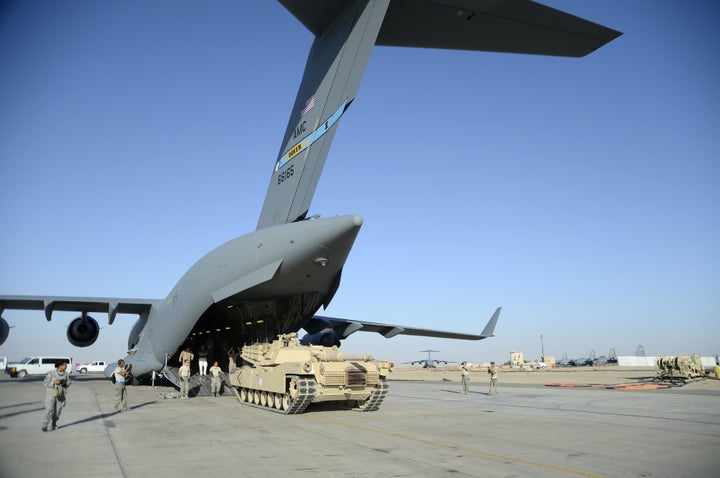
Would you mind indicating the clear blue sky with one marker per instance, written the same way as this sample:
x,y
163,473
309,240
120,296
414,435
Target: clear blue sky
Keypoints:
x,y
582,195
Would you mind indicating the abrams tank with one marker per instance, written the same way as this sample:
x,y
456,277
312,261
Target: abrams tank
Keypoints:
x,y
286,377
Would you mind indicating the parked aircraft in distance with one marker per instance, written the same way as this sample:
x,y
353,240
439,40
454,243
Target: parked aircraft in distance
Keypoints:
x,y
274,280
429,362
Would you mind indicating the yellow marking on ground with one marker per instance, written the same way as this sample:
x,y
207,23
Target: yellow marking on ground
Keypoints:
x,y
453,447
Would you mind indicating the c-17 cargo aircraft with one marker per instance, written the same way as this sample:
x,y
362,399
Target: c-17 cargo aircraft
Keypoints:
x,y
429,362
273,280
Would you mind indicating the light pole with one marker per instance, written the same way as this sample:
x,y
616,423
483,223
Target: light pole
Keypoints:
x,y
542,349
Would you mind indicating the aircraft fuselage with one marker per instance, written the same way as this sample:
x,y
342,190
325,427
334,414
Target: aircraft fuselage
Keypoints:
x,y
251,288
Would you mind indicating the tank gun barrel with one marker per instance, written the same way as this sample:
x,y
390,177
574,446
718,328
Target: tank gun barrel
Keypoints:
x,y
334,355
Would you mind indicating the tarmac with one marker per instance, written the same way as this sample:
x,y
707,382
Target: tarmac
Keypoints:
x,y
425,427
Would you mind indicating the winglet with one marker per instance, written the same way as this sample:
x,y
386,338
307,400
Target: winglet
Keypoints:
x,y
490,327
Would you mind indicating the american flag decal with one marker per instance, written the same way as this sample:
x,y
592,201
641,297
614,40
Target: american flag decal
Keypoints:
x,y
309,104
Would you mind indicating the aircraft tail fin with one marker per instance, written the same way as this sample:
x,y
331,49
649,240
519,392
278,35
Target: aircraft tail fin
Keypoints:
x,y
345,33
334,68
489,329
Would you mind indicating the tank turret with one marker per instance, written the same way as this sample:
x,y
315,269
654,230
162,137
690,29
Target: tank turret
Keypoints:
x,y
286,377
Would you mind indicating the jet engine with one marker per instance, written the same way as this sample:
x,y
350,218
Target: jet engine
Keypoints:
x,y
83,331
4,330
327,338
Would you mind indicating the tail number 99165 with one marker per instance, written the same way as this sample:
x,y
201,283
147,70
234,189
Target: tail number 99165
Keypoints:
x,y
286,174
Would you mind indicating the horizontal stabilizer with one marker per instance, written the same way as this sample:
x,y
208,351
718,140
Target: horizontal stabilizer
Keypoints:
x,y
510,26
506,26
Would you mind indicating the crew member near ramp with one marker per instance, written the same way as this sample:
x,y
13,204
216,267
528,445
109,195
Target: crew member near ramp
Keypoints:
x,y
184,375
56,383
120,373
202,360
186,355
215,371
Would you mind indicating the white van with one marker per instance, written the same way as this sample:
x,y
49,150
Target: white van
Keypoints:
x,y
38,365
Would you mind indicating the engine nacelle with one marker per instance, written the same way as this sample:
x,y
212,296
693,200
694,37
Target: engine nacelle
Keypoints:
x,y
327,338
4,330
83,331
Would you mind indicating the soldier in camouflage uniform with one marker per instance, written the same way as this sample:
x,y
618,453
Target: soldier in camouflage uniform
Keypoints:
x,y
215,371
56,383
184,376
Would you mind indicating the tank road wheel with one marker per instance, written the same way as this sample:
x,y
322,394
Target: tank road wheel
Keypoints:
x,y
291,394
263,398
293,387
278,401
256,397
270,400
300,394
286,401
243,394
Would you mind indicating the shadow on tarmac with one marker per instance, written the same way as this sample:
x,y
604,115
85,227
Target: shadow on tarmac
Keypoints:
x,y
19,405
459,392
102,416
32,410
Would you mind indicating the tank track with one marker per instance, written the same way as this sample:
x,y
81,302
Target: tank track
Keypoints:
x,y
305,388
376,398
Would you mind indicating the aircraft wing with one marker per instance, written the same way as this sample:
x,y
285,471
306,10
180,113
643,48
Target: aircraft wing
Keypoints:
x,y
508,26
342,328
109,305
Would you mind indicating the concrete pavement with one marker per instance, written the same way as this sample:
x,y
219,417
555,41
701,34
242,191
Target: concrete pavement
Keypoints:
x,y
424,428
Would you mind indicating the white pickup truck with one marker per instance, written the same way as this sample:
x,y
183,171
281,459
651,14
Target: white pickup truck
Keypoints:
x,y
96,366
